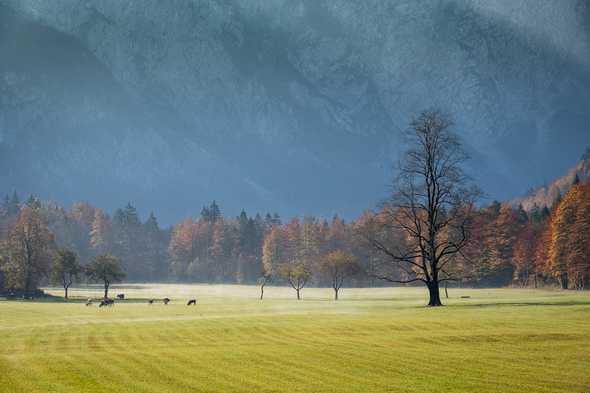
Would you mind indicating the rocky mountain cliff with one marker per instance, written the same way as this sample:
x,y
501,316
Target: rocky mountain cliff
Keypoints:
x,y
291,105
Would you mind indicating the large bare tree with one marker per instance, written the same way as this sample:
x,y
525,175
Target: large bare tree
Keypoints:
x,y
430,207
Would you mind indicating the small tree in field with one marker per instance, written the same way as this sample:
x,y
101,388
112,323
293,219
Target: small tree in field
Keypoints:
x,y
338,265
297,275
106,269
264,279
65,269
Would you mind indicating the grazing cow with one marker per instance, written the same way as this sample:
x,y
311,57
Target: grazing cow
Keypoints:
x,y
107,302
88,302
151,301
166,301
192,302
121,296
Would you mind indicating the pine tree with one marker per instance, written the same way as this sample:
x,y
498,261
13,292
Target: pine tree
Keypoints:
x,y
153,248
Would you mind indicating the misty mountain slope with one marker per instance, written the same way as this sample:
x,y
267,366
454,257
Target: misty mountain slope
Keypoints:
x,y
546,195
299,105
70,131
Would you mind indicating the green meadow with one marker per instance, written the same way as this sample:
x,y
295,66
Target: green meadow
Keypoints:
x,y
372,340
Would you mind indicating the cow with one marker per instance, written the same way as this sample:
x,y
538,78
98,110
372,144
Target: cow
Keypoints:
x,y
151,301
121,296
166,301
192,302
107,302
88,302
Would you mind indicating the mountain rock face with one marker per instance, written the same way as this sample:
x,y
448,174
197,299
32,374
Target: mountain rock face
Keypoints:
x,y
290,105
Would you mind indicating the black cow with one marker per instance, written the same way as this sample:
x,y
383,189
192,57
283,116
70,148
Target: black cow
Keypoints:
x,y
166,300
107,302
151,301
192,302
121,296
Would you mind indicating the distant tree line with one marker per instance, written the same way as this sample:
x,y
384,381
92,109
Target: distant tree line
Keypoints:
x,y
429,231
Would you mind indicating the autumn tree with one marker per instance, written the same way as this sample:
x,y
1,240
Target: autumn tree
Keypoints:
x,y
432,196
30,248
338,265
271,255
105,269
297,274
570,238
183,248
223,247
101,235
65,269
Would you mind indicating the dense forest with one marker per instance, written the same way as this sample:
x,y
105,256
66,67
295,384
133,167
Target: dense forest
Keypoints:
x,y
508,246
430,230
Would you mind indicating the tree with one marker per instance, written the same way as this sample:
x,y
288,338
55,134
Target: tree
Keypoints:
x,y
33,202
30,247
264,279
11,204
65,269
431,205
570,242
127,231
338,265
211,213
152,249
106,269
101,233
183,248
297,274
271,255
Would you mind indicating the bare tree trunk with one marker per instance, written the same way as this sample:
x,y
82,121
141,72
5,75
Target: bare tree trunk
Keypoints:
x,y
106,290
434,292
262,291
298,295
564,281
335,293
66,292
446,290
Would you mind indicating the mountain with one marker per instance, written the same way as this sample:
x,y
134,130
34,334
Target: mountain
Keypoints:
x,y
547,195
291,105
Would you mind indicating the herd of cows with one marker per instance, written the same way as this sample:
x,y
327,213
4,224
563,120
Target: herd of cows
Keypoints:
x,y
107,302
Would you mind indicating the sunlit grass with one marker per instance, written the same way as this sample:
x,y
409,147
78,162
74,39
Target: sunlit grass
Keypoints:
x,y
499,340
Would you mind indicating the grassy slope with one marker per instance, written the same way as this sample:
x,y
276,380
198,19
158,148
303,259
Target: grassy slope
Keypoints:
x,y
371,340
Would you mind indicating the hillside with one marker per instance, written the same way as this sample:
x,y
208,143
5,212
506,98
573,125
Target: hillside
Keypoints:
x,y
295,106
545,196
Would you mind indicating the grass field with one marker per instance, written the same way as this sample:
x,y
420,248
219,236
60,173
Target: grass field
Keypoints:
x,y
372,340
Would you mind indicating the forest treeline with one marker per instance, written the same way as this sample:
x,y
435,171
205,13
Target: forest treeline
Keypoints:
x,y
508,246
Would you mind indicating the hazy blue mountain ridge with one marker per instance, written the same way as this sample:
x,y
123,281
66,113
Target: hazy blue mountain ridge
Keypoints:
x,y
295,106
